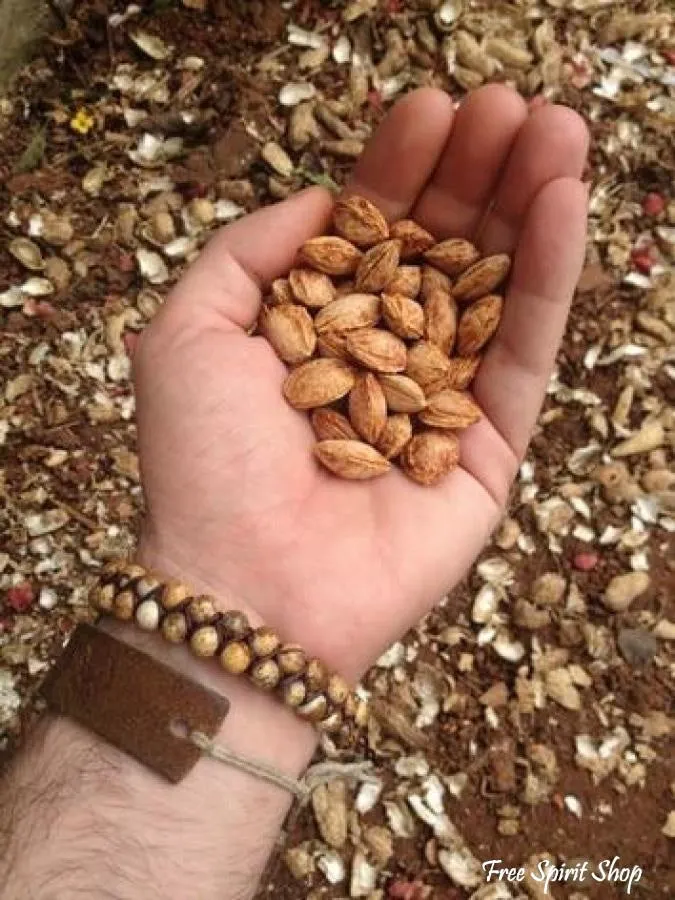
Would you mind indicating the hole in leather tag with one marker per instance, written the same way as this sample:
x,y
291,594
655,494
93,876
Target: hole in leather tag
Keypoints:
x,y
132,700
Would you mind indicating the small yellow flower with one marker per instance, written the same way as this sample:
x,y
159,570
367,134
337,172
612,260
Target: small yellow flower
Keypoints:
x,y
82,121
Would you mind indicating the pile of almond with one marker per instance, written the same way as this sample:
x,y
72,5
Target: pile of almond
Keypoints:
x,y
383,329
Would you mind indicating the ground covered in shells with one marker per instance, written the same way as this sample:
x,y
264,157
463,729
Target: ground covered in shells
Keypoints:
x,y
532,712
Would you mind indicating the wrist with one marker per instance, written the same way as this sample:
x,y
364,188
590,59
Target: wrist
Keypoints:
x,y
257,724
229,815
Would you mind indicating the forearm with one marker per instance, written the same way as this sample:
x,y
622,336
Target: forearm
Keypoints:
x,y
82,818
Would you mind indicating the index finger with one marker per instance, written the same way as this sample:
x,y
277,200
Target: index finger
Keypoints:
x,y
402,154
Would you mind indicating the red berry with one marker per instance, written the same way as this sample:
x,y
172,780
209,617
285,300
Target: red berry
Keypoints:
x,y
653,204
20,597
642,259
405,890
44,310
126,262
586,560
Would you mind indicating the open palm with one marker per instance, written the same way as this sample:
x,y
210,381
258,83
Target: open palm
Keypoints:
x,y
236,502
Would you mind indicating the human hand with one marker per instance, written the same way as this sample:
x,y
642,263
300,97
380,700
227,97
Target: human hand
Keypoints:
x,y
235,500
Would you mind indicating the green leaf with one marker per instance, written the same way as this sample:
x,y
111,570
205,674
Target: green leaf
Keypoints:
x,y
320,178
32,156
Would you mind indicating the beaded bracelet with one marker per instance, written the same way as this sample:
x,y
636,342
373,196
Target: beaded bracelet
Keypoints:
x,y
131,593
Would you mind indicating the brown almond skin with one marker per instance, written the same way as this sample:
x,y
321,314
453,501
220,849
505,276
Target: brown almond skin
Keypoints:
x,y
450,409
430,456
482,278
377,267
330,254
311,288
367,407
452,256
433,280
405,317
407,280
353,460
427,365
290,331
318,383
440,326
414,239
462,371
280,292
478,323
348,312
330,425
395,435
403,395
332,345
358,220
377,350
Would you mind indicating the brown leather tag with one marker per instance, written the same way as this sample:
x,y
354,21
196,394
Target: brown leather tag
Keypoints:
x,y
132,700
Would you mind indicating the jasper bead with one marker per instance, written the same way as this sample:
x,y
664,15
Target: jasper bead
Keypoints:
x,y
235,658
264,642
174,627
146,586
337,690
315,709
202,610
129,573
316,675
293,692
173,595
124,605
204,642
147,615
235,624
291,659
265,674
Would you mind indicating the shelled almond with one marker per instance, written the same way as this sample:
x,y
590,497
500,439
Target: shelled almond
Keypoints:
x,y
384,329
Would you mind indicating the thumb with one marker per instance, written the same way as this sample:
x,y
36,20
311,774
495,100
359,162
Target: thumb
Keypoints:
x,y
234,267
